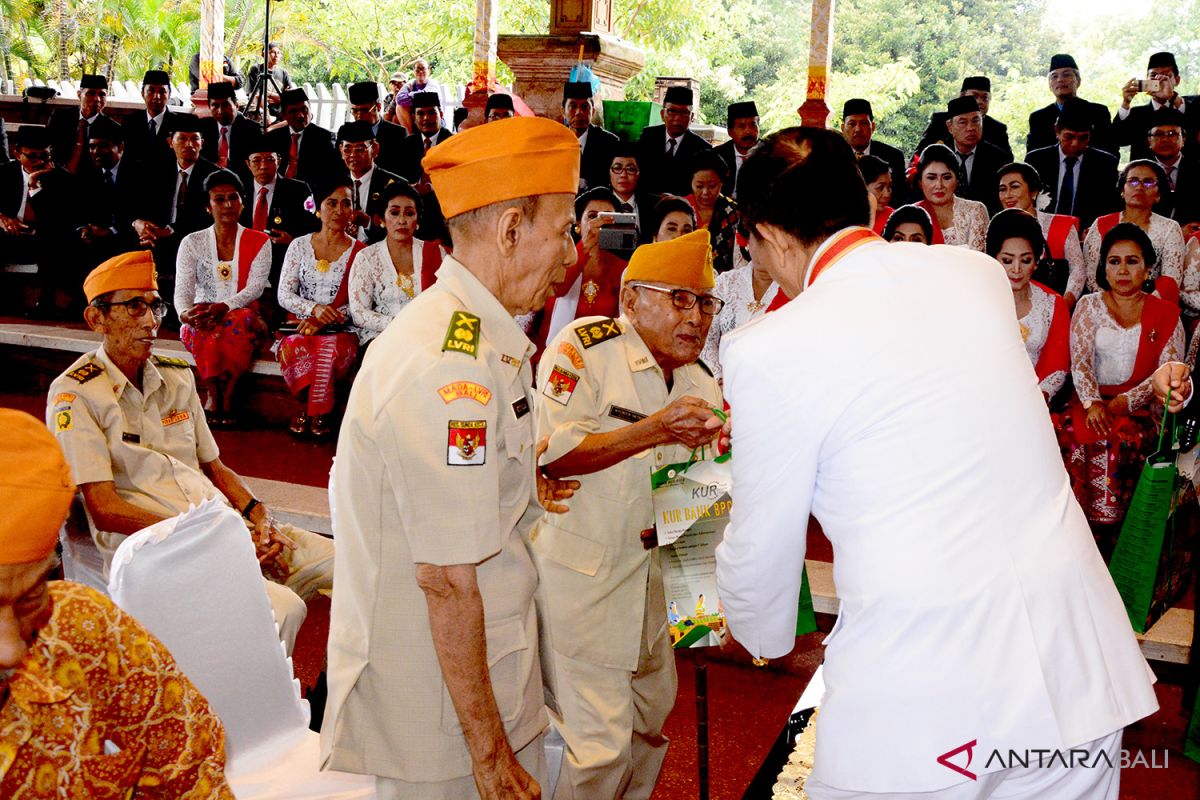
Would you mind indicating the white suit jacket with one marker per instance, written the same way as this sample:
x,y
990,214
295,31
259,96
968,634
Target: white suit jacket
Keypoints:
x,y
895,401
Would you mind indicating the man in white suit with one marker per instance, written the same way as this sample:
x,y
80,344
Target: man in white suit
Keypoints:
x,y
893,399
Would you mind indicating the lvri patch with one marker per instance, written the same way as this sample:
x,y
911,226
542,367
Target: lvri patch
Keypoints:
x,y
467,445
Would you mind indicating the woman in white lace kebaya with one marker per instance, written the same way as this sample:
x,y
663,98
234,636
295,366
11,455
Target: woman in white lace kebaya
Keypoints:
x,y
1119,337
220,273
314,290
1141,187
1015,240
1020,187
390,273
956,220
747,292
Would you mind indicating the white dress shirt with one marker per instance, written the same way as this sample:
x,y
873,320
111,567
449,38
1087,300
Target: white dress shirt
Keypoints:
x,y
894,400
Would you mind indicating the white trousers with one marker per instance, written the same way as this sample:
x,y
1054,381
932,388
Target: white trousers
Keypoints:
x,y
531,757
1018,783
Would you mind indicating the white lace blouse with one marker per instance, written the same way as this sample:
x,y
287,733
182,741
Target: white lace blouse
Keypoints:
x,y
200,277
1035,328
736,288
302,286
1103,353
1167,238
376,296
1073,251
970,225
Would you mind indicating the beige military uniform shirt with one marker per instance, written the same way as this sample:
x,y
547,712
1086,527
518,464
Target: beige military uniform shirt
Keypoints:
x,y
149,443
435,465
595,377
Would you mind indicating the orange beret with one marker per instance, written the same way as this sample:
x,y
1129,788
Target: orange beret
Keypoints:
x,y
685,261
134,270
35,488
504,160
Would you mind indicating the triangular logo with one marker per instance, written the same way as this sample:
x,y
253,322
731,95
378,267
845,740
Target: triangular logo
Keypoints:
x,y
969,748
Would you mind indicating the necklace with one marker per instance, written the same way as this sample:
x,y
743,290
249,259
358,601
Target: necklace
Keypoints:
x,y
405,282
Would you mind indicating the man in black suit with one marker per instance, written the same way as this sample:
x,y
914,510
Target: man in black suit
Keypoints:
x,y
1166,141
595,144
37,221
1064,80
146,135
365,107
858,126
1081,180
666,151
624,177
70,128
1132,124
277,206
741,122
227,134
499,106
173,200
306,150
109,192
979,160
428,120
358,148
995,132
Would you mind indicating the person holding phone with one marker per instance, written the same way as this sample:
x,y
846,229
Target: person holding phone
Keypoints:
x,y
277,206
1132,123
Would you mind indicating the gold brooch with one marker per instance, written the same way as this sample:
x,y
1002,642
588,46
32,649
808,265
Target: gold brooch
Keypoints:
x,y
405,282
591,290
322,265
224,271
279,220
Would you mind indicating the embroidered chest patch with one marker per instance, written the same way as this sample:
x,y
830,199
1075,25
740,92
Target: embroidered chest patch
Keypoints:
x,y
175,417
465,389
561,385
467,443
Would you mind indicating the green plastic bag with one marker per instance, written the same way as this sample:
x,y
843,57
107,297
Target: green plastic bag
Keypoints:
x,y
806,619
1191,743
1135,560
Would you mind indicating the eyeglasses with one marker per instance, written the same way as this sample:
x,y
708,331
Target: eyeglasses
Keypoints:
x,y
259,161
1166,135
355,149
629,170
1145,183
686,301
136,307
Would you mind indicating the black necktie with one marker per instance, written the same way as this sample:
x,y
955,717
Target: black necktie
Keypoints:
x,y
626,208
1066,198
153,129
108,179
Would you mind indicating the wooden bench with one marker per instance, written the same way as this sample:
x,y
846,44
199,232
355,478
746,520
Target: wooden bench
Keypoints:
x,y
1169,640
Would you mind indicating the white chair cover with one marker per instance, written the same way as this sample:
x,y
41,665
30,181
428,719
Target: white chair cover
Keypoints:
x,y
195,583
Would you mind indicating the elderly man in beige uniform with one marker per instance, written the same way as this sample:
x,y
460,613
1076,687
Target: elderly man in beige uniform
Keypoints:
x,y
435,685
132,428
619,399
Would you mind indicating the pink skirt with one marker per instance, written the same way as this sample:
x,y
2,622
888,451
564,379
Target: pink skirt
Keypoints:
x,y
228,347
316,363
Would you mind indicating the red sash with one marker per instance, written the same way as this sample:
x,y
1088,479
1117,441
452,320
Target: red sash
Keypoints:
x,y
342,298
1056,237
1159,318
249,246
431,262
882,216
1056,350
938,238
1107,223
840,244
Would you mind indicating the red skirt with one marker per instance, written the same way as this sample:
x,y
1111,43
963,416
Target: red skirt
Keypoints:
x,y
1105,473
316,363
228,347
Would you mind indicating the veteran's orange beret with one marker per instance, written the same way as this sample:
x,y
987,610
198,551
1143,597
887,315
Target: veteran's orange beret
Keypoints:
x,y
684,261
504,160
35,488
133,270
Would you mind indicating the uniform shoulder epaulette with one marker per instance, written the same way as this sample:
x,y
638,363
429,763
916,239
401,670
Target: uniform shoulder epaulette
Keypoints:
x,y
463,334
167,361
707,371
86,372
593,333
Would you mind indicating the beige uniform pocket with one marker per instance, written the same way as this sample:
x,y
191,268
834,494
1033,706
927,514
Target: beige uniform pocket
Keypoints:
x,y
510,661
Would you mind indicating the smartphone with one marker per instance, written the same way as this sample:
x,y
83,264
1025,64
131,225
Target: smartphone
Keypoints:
x,y
1149,85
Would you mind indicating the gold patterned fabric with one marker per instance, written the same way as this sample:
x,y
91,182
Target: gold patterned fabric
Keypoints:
x,y
98,709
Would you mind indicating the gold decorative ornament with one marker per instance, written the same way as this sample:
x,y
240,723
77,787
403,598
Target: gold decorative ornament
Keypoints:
x,y
224,270
322,265
405,282
591,290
